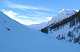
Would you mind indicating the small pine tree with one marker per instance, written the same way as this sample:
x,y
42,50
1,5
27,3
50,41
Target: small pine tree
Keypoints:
x,y
60,37
76,40
8,29
70,34
45,30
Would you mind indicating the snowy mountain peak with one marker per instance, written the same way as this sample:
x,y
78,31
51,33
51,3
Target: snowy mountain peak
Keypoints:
x,y
62,14
66,12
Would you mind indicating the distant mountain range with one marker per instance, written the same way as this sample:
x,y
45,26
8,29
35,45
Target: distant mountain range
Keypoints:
x,y
62,14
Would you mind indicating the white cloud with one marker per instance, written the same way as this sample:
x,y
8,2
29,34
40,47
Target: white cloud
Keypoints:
x,y
23,20
26,22
15,16
34,12
19,6
22,6
10,13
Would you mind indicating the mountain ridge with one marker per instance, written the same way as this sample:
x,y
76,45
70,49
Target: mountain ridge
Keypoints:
x,y
65,20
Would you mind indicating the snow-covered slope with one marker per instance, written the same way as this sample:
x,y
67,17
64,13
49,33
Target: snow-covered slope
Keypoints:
x,y
15,37
8,23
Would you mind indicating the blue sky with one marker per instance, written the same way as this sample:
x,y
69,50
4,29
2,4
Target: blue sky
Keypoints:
x,y
35,11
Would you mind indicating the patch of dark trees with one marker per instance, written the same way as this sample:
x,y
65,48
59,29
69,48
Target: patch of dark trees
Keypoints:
x,y
70,36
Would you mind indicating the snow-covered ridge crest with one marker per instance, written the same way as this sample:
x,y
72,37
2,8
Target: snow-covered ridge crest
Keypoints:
x,y
62,14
